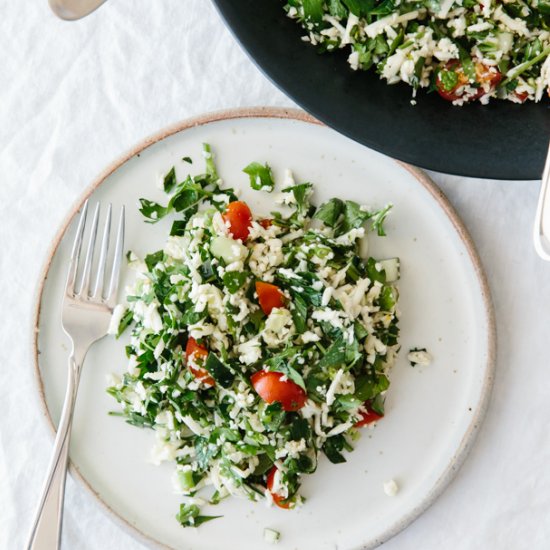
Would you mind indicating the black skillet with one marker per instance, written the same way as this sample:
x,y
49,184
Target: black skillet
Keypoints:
x,y
501,140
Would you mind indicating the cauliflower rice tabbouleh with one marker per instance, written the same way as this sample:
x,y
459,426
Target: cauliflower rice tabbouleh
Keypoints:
x,y
257,342
466,50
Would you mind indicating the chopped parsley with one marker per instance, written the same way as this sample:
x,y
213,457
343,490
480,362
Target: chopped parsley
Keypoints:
x,y
261,177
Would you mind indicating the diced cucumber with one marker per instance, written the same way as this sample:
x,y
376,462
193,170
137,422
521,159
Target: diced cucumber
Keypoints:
x,y
391,267
364,247
278,319
185,479
505,41
272,536
229,250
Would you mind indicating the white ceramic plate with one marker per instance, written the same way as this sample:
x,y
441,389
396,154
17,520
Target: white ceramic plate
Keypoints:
x,y
432,412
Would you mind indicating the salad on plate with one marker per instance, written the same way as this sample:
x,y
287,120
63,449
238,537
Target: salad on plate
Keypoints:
x,y
258,341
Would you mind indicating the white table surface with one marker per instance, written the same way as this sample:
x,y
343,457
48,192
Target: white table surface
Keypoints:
x,y
73,96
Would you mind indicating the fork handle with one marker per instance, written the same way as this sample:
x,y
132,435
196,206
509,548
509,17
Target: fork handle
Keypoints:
x,y
46,533
46,529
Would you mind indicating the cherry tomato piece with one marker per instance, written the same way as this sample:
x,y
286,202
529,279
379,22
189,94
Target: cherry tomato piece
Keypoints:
x,y
269,296
239,217
446,76
266,223
522,96
271,389
486,74
487,78
368,417
197,352
277,499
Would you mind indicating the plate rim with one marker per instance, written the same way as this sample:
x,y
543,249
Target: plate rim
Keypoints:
x,y
299,115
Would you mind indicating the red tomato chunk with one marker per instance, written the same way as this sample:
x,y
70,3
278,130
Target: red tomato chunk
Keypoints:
x,y
239,218
368,416
272,389
277,499
197,353
269,296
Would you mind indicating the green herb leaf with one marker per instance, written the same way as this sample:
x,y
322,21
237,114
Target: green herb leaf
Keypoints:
x,y
261,177
303,464
448,79
335,355
170,180
329,212
418,67
125,322
353,353
313,10
189,516
272,416
234,280
204,451
220,372
467,63
264,465
337,9
209,160
152,210
301,192
299,313
136,419
185,479
387,298
280,363
206,271
367,387
295,376
374,274
360,7
378,219
300,429
178,228
151,260
333,447
348,402
191,317
304,281
343,216
360,331
354,216
377,404
384,8
187,197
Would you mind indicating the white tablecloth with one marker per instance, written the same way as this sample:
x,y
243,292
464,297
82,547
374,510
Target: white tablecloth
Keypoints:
x,y
73,96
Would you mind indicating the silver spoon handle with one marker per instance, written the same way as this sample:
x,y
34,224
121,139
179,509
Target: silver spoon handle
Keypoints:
x,y
541,234
71,10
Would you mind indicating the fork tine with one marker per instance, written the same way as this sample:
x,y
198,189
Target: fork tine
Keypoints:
x,y
85,283
117,261
75,253
100,277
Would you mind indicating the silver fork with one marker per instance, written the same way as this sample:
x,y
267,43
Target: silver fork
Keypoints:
x,y
87,310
